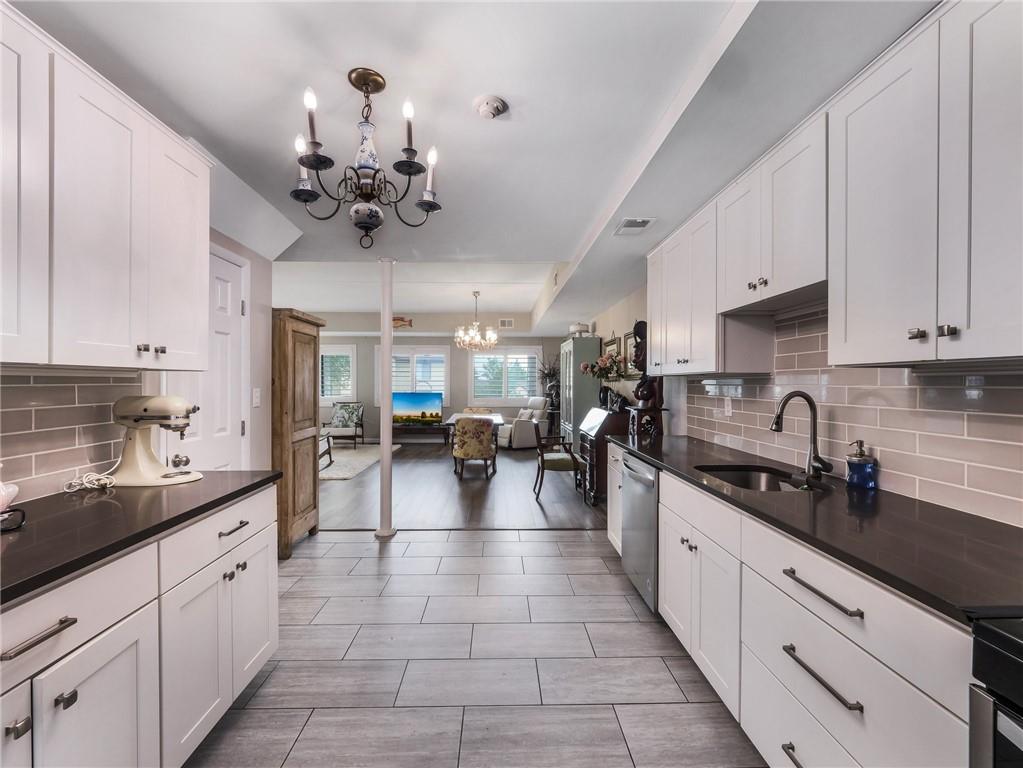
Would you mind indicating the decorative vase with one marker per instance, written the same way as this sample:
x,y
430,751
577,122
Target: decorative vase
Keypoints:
x,y
366,155
602,396
366,216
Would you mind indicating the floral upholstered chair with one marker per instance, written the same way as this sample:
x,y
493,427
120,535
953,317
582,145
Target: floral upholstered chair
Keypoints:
x,y
553,455
345,423
477,409
474,441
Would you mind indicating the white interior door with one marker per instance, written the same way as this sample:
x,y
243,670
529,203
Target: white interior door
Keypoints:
x,y
214,438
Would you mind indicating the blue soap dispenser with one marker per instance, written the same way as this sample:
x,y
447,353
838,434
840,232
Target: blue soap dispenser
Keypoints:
x,y
862,468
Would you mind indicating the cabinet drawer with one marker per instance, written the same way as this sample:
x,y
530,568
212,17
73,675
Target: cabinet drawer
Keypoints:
x,y
878,717
16,715
198,545
717,520
776,723
94,601
891,627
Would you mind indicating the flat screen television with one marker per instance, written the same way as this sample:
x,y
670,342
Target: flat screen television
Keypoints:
x,y
417,407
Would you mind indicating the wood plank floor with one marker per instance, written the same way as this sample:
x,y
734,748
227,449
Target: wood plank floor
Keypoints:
x,y
428,495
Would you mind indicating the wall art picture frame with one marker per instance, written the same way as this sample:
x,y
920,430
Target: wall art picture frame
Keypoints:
x,y
629,349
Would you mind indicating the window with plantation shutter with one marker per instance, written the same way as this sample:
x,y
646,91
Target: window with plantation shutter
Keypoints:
x,y
416,369
504,377
337,373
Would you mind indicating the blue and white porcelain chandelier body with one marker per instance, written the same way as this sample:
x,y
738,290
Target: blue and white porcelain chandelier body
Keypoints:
x,y
364,184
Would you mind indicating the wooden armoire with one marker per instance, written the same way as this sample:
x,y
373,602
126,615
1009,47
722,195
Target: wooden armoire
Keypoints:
x,y
296,425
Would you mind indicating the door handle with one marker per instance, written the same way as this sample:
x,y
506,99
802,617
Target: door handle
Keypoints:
x,y
66,700
853,706
42,637
916,333
241,524
790,752
948,330
19,728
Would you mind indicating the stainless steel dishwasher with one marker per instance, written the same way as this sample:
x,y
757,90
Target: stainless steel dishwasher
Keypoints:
x,y
639,527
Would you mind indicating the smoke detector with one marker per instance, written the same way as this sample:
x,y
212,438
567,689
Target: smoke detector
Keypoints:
x,y
488,107
633,226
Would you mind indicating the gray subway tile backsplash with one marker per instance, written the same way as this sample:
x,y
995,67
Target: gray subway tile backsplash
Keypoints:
x,y
953,439
55,427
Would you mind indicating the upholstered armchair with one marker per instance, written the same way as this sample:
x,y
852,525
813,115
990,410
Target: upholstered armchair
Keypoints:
x,y
345,423
474,441
519,433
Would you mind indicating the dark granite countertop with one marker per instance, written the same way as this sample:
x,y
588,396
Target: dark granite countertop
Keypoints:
x,y
68,532
959,564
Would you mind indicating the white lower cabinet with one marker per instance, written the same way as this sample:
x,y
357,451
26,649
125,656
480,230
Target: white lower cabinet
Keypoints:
x,y
614,505
780,727
675,574
217,628
715,617
100,705
16,717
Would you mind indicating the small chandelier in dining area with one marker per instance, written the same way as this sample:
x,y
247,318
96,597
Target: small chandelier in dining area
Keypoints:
x,y
471,338
364,183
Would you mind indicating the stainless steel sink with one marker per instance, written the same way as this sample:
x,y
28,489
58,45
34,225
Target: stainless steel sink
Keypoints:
x,y
754,477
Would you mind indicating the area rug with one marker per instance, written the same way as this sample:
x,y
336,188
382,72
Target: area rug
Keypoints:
x,y
348,463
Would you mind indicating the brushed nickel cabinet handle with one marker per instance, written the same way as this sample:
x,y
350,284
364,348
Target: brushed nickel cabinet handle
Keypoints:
x,y
853,706
142,347
916,333
241,524
854,613
762,281
751,286
18,728
66,700
160,350
790,752
42,637
948,330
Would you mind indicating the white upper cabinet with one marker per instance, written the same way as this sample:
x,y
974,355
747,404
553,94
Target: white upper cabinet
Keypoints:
x,y
980,229
794,212
100,221
677,302
690,305
179,256
112,267
654,313
883,211
24,228
738,213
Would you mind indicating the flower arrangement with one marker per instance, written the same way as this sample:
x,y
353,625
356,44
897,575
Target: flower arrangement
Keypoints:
x,y
608,366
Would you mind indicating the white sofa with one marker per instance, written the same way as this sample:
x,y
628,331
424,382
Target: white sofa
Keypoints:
x,y
519,432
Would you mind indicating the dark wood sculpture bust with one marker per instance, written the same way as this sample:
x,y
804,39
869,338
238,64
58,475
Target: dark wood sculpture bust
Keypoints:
x,y
645,415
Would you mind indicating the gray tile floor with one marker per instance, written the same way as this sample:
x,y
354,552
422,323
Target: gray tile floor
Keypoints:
x,y
504,649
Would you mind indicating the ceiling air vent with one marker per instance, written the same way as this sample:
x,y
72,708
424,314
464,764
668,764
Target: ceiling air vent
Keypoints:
x,y
633,226
506,322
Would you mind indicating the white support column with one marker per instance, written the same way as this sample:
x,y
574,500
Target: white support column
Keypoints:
x,y
386,529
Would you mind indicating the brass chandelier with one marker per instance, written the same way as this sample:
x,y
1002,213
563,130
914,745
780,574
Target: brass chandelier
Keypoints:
x,y
471,338
364,183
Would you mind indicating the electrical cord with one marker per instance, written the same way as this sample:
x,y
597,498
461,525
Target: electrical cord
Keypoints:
x,y
91,480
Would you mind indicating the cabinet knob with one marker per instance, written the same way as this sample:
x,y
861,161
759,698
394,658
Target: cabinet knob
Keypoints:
x,y
66,700
761,281
18,728
229,576
691,547
142,347
948,330
160,350
916,333
683,541
751,286
242,566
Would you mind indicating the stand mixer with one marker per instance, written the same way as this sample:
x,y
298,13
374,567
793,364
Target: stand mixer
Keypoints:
x,y
139,465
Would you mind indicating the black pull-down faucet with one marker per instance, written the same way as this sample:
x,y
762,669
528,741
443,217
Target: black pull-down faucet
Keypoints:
x,y
815,465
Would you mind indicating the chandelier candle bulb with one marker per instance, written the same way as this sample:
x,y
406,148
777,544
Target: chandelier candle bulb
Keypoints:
x,y
301,148
408,112
309,99
431,161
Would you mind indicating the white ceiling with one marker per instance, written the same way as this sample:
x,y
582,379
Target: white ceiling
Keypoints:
x,y
786,60
418,287
585,81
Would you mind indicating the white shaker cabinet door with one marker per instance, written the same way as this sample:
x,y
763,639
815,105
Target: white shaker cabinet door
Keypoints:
x,y
25,226
674,574
655,319
16,717
883,211
738,252
179,255
614,506
716,618
100,705
980,245
100,220
195,655
794,212
677,302
253,606
701,240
